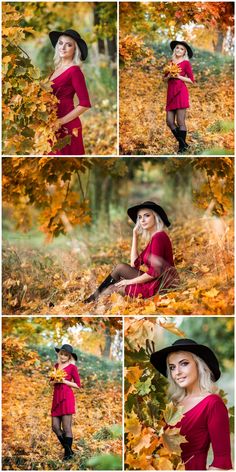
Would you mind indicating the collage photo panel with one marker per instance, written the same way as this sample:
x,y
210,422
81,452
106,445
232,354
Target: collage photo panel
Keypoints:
x,y
117,179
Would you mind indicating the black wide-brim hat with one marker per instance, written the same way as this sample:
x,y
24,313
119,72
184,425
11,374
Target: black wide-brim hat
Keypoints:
x,y
158,358
183,43
55,35
133,211
68,348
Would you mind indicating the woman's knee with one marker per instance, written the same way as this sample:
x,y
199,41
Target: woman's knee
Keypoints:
x,y
56,429
119,270
169,123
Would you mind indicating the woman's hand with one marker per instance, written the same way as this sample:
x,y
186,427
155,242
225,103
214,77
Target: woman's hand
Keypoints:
x,y
136,229
123,283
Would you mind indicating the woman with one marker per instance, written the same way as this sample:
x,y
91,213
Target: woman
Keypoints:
x,y
68,80
192,369
150,220
63,404
177,92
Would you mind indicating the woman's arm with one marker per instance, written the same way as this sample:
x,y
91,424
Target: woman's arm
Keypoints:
x,y
70,384
185,79
134,247
218,428
141,279
72,115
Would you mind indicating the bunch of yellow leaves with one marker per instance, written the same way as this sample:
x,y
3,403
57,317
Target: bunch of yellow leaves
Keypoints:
x,y
57,375
172,69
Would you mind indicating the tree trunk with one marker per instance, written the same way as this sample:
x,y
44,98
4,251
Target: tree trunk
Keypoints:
x,y
218,44
106,351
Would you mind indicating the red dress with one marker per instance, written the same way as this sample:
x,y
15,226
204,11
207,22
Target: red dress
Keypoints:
x,y
177,91
65,86
63,402
158,258
207,422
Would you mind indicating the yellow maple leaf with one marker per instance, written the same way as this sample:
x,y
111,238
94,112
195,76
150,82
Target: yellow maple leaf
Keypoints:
x,y
211,293
133,374
132,424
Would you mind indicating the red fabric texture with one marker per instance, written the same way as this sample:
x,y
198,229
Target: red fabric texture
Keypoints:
x,y
177,91
65,86
207,422
158,258
63,402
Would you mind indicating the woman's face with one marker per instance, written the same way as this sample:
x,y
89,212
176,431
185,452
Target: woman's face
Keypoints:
x,y
183,369
64,357
146,219
66,47
180,50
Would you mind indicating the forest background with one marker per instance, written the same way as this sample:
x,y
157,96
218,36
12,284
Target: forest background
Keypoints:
x,y
146,29
29,108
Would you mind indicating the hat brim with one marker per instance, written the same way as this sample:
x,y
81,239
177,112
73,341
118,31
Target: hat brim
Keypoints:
x,y
158,359
173,44
57,349
55,35
133,212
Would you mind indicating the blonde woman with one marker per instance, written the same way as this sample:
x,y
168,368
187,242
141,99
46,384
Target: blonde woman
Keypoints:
x,y
150,221
68,80
192,370
177,92
63,403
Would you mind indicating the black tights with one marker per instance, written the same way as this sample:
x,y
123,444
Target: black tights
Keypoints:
x,y
176,116
125,271
62,425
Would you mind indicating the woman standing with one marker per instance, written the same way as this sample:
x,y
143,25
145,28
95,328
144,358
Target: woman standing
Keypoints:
x,y
150,221
192,370
177,92
63,404
68,80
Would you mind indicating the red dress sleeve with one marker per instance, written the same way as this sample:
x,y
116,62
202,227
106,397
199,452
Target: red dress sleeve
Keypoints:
x,y
157,259
75,375
79,84
139,261
218,426
189,71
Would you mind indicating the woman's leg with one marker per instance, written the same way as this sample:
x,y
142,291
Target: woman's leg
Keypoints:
x,y
170,121
121,271
181,117
67,435
56,427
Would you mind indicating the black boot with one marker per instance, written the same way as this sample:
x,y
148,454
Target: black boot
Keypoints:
x,y
61,439
183,146
106,283
175,132
68,448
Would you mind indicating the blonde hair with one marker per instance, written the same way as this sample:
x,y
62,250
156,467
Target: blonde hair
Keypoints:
x,y
185,57
77,55
159,226
206,380
71,358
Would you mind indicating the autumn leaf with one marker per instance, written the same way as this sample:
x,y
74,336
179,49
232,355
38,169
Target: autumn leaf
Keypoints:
x,y
132,424
172,440
211,293
132,374
172,414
